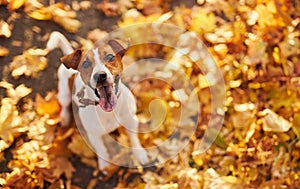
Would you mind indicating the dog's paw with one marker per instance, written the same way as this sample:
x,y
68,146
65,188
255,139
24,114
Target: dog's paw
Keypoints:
x,y
103,165
141,155
65,117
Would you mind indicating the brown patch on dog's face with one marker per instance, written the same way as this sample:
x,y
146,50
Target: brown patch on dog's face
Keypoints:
x,y
111,61
72,60
110,55
86,67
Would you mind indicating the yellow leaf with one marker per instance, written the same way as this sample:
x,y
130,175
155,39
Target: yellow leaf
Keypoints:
x,y
4,29
29,63
41,14
22,91
158,110
70,24
296,125
203,22
17,93
3,51
15,4
64,17
203,83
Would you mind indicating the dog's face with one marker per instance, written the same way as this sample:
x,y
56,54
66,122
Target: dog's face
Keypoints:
x,y
100,69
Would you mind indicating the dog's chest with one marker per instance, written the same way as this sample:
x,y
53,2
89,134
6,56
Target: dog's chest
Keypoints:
x,y
92,117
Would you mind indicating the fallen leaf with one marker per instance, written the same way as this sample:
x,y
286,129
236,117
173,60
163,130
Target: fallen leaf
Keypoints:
x,y
274,122
41,14
49,105
60,166
109,8
65,17
58,12
15,93
29,63
4,51
202,22
5,30
212,180
296,125
10,122
78,146
15,4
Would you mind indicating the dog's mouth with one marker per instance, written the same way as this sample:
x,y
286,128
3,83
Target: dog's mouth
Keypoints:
x,y
107,97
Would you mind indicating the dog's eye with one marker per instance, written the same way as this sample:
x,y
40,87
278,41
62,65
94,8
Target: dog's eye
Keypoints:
x,y
109,58
86,64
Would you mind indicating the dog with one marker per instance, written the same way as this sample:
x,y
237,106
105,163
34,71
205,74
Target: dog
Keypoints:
x,y
104,102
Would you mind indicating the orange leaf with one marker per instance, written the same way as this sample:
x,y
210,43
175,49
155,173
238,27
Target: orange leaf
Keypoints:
x,y
49,105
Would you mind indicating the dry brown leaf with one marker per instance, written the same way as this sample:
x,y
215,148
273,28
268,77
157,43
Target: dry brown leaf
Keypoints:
x,y
109,8
78,146
4,2
61,165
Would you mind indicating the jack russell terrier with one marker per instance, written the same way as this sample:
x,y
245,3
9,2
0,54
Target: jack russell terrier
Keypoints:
x,y
104,102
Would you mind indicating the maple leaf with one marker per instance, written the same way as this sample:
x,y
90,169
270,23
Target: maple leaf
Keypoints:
x,y
78,146
61,165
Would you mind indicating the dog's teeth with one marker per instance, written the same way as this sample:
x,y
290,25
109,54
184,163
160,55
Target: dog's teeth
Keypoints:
x,y
97,93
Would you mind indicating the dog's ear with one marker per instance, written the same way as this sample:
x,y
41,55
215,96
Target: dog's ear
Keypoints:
x,y
119,47
72,60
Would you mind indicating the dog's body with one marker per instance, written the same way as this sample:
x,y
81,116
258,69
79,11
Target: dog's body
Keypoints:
x,y
104,102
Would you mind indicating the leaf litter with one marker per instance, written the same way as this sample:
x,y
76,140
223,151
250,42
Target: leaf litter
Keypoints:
x,y
254,43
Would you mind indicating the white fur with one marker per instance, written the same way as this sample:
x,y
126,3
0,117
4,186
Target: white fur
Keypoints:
x,y
95,121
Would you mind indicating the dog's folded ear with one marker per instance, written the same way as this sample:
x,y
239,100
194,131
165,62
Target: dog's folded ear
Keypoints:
x,y
72,60
119,47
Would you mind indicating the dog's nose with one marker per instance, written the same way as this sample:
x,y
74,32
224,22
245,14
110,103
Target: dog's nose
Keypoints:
x,y
100,77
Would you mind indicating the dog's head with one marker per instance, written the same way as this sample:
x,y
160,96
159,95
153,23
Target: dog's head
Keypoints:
x,y
100,69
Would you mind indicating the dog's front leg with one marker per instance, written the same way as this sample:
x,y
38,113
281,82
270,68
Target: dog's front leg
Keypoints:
x,y
58,40
100,149
64,94
139,152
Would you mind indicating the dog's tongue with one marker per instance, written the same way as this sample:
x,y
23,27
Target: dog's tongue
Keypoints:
x,y
107,99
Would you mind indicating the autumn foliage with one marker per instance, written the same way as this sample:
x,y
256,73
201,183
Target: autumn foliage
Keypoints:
x,y
256,46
